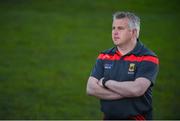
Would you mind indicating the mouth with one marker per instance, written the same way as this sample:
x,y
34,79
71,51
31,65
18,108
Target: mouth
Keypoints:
x,y
116,38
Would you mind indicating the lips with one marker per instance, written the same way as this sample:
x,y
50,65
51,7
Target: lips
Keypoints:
x,y
116,38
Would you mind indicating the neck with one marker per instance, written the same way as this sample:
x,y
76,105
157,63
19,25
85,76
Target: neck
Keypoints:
x,y
127,47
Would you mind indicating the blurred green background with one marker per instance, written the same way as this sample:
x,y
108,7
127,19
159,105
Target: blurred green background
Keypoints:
x,y
48,49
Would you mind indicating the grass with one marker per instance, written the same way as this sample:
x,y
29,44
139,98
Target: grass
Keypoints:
x,y
48,49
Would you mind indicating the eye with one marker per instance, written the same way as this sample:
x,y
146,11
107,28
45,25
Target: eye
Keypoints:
x,y
120,28
113,28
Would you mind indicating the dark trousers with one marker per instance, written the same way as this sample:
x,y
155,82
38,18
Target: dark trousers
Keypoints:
x,y
147,116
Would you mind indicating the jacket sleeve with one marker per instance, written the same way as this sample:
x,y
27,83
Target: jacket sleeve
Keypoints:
x,y
98,70
148,70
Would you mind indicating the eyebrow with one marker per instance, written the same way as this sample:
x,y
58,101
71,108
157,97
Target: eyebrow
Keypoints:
x,y
119,27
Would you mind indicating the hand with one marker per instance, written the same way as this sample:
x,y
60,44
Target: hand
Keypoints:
x,y
100,82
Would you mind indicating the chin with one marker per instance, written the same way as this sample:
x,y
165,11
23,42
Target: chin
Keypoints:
x,y
116,43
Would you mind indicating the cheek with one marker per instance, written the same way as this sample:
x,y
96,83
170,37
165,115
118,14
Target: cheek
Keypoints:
x,y
127,33
113,32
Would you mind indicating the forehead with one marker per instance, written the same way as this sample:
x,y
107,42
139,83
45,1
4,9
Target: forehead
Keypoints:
x,y
120,22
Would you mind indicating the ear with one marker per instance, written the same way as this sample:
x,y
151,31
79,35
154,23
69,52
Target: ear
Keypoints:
x,y
135,33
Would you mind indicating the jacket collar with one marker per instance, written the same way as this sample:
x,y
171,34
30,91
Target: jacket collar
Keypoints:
x,y
135,51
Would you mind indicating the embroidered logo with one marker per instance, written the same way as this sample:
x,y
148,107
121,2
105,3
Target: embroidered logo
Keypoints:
x,y
132,68
107,66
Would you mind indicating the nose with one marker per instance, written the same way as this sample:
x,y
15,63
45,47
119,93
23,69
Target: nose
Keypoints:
x,y
115,33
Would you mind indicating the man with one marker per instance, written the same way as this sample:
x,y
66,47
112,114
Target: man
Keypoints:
x,y
124,75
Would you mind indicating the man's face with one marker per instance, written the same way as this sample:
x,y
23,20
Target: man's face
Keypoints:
x,y
121,33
